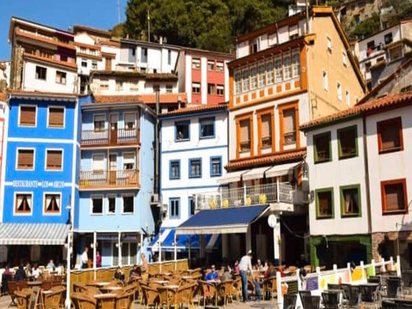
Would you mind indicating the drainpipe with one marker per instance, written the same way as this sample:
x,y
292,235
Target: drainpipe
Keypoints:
x,y
157,141
367,182
307,16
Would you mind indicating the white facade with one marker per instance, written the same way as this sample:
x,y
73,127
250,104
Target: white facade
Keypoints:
x,y
183,188
56,79
368,57
389,166
337,173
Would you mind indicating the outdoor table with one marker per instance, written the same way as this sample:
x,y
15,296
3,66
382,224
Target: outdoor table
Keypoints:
x,y
187,277
107,295
98,284
34,283
161,281
43,295
111,288
173,286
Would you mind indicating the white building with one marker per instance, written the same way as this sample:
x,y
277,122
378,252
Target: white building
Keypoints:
x,y
383,52
359,171
193,155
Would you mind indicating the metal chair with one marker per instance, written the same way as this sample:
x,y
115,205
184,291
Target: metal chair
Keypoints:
x,y
369,294
289,301
352,296
330,300
310,302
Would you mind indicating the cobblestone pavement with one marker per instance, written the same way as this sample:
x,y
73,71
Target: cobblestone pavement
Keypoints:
x,y
6,300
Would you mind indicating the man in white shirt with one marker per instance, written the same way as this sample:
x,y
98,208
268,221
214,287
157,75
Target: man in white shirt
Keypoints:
x,y
245,265
84,259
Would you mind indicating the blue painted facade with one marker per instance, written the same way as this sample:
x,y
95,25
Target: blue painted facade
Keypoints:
x,y
116,180
40,180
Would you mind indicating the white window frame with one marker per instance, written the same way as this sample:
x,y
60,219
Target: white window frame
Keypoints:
x,y
17,159
96,196
108,204
196,63
197,86
325,81
129,160
64,116
46,155
15,200
329,43
134,208
65,78
94,121
347,98
339,91
45,213
94,160
125,115
35,117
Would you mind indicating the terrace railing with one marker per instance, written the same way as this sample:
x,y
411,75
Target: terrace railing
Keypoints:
x,y
110,137
105,179
246,196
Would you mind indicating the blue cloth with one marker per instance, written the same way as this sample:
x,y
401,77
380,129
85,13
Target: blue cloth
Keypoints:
x,y
243,275
213,275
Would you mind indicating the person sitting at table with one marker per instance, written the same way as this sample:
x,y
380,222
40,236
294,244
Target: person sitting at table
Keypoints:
x,y
28,270
271,271
119,274
212,274
51,265
135,273
36,272
259,265
227,274
20,274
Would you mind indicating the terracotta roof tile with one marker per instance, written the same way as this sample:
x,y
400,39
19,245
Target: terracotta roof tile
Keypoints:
x,y
389,101
145,98
283,157
196,108
45,40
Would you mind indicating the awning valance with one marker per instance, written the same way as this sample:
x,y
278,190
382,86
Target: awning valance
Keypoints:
x,y
280,170
256,173
33,233
222,221
183,242
231,177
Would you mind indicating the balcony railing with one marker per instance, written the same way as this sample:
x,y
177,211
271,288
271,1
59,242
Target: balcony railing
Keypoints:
x,y
246,196
110,137
107,179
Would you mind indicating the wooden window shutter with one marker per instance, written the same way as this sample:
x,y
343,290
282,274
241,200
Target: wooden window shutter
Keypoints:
x,y
56,117
54,159
289,120
25,159
390,136
244,131
28,115
266,125
394,197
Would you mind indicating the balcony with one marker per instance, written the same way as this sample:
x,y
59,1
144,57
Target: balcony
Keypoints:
x,y
92,138
109,179
275,193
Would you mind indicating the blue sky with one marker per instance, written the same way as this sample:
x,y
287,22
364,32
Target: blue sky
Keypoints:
x,y
58,14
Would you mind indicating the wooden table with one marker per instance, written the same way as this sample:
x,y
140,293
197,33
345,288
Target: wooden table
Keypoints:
x,y
111,288
34,283
163,282
98,284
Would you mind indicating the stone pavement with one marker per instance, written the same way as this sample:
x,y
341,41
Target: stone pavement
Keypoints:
x,y
6,300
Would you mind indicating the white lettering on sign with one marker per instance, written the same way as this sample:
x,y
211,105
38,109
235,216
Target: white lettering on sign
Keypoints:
x,y
37,184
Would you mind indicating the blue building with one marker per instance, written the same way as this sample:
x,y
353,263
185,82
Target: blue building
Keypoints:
x,y
39,180
116,179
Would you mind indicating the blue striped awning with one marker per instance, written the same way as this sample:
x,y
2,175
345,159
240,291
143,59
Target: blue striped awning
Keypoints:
x,y
33,233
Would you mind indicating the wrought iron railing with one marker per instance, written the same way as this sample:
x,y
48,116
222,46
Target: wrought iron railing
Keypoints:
x,y
109,137
115,178
246,196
